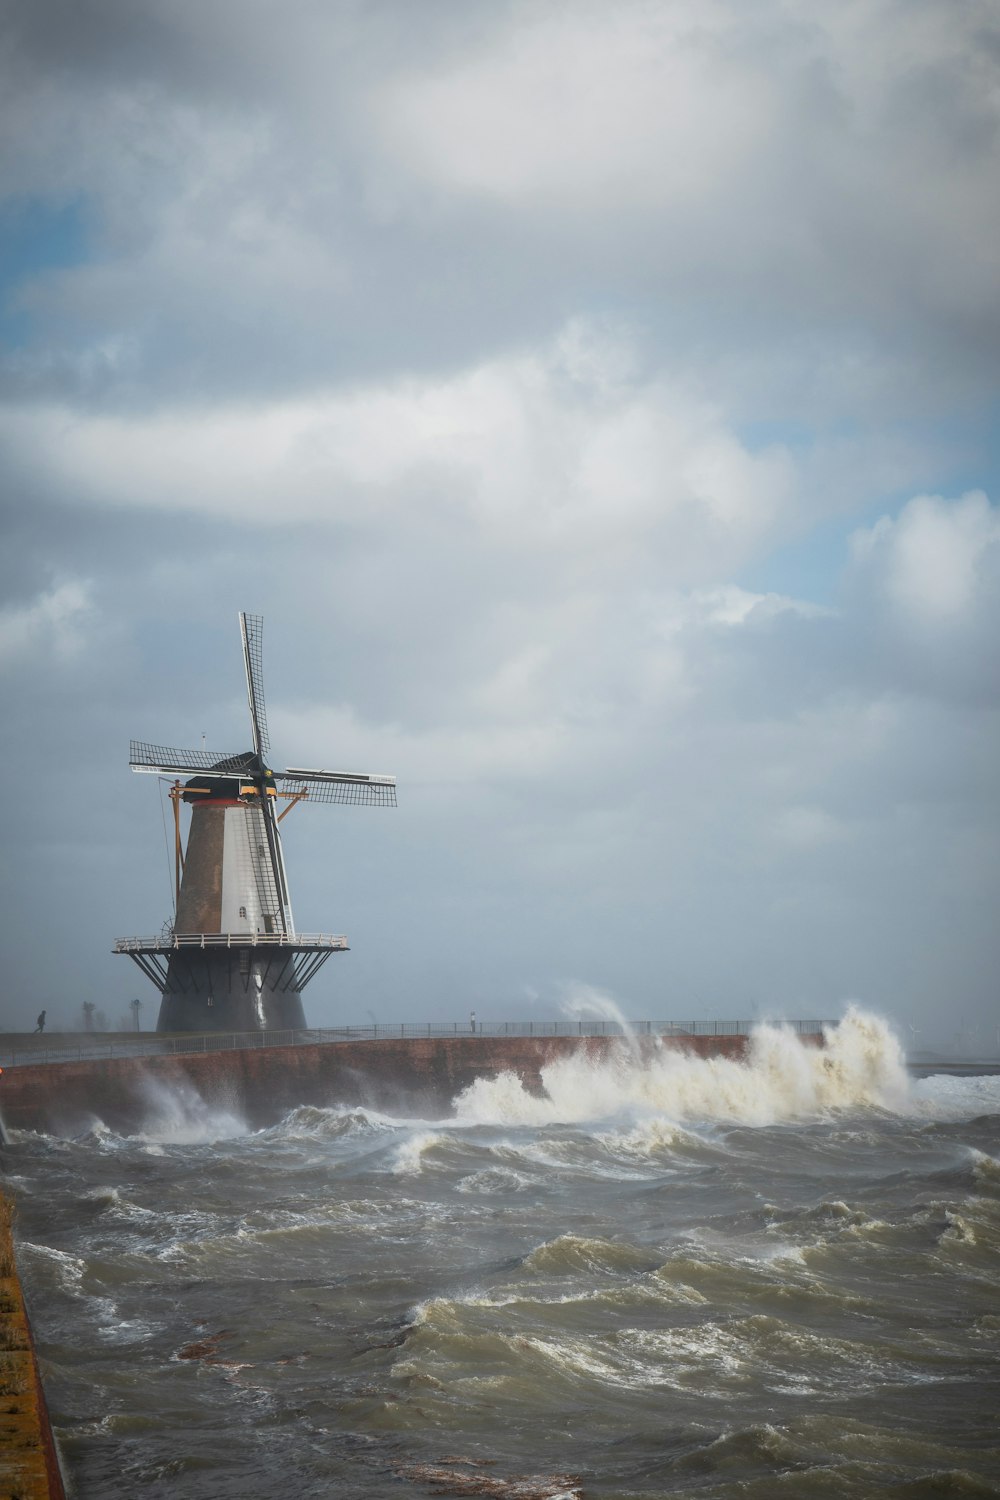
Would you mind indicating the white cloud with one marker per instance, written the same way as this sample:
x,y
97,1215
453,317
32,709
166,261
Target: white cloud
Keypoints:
x,y
624,103
931,557
750,179
548,449
827,158
729,605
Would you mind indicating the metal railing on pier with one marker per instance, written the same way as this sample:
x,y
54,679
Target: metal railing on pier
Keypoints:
x,y
169,1045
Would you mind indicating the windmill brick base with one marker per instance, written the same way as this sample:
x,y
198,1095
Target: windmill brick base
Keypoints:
x,y
230,981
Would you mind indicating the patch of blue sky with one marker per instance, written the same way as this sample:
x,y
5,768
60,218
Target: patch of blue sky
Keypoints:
x,y
973,446
762,434
36,235
964,455
809,567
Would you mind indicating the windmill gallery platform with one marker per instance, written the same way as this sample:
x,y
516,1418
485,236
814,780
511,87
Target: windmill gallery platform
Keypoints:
x,y
408,1075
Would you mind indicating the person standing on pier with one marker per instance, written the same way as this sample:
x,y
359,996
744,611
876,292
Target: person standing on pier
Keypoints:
x,y
40,1025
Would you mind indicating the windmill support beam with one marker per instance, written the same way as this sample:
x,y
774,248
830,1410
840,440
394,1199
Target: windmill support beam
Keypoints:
x,y
213,981
307,966
153,966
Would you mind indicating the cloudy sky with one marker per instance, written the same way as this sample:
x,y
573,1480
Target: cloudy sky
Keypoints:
x,y
600,404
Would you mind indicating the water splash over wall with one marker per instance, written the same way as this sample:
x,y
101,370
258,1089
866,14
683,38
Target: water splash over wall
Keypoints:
x,y
584,1002
861,1065
177,1114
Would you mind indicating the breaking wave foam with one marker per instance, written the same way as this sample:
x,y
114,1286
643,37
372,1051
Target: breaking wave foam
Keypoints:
x,y
860,1065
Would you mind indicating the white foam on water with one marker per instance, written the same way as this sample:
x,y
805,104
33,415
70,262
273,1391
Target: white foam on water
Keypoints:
x,y
494,1180
55,1271
860,1066
128,1331
652,1136
943,1096
64,1271
718,1360
986,1171
114,1205
408,1159
315,1122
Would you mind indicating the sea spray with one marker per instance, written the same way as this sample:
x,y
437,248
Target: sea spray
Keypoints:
x,y
864,1058
780,1078
584,1002
176,1114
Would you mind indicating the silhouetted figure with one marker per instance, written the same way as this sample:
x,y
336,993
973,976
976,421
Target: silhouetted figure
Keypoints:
x,y
41,1021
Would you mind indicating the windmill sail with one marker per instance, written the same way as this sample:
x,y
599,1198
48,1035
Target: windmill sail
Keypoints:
x,y
278,867
252,632
162,760
349,787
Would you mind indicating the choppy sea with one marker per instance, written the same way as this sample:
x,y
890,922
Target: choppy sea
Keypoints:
x,y
677,1277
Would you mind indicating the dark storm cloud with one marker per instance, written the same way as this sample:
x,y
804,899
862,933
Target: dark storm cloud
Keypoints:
x,y
282,197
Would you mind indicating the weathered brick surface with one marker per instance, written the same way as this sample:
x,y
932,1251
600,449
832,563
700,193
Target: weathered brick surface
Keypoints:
x,y
29,1466
406,1076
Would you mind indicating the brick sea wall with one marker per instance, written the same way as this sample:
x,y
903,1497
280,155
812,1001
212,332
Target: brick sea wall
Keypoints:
x,y
412,1076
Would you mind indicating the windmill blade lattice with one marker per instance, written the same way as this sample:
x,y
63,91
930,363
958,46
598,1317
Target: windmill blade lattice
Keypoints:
x,y
252,631
277,859
345,787
166,761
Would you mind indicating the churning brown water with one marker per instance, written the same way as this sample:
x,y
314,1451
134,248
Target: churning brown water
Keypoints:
x,y
683,1277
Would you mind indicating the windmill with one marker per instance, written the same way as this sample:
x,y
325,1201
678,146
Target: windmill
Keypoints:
x,y
232,960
